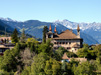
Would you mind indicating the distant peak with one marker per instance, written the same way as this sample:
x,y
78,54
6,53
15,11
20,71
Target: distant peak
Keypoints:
x,y
7,19
57,20
65,20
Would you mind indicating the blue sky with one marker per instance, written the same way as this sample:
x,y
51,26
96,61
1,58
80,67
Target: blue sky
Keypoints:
x,y
51,10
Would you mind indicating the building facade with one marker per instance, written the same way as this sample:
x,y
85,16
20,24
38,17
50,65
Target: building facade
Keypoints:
x,y
66,39
4,40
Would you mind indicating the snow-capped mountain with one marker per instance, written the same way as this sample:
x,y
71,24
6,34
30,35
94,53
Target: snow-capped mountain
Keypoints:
x,y
83,26
34,27
93,29
7,19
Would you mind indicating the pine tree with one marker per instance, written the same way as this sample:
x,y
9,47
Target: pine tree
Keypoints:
x,y
14,37
23,36
45,30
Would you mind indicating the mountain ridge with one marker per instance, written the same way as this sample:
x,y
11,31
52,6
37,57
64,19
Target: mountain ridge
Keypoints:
x,y
35,27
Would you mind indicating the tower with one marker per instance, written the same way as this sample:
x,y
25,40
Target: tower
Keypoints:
x,y
50,29
78,32
55,31
49,34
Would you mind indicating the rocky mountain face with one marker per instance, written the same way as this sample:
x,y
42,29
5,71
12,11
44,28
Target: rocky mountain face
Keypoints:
x,y
83,26
93,29
35,28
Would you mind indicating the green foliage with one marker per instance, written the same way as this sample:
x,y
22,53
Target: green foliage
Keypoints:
x,y
2,72
98,61
85,69
59,53
71,54
32,48
1,62
52,67
86,52
98,50
32,44
98,65
85,45
46,47
26,71
8,61
14,36
73,61
64,68
23,36
31,58
83,52
31,40
45,30
72,66
38,65
22,46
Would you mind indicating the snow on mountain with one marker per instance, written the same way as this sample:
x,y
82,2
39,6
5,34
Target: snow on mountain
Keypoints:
x,y
92,29
83,26
7,19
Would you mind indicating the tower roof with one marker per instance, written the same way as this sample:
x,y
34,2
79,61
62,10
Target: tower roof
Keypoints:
x,y
50,29
78,28
55,29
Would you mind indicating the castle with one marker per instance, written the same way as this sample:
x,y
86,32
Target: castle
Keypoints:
x,y
66,39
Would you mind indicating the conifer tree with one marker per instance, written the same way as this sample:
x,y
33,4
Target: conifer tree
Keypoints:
x,y
45,30
23,36
14,37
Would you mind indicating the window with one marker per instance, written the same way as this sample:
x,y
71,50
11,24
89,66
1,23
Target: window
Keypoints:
x,y
69,42
60,42
1,50
68,47
63,42
66,42
54,42
49,36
